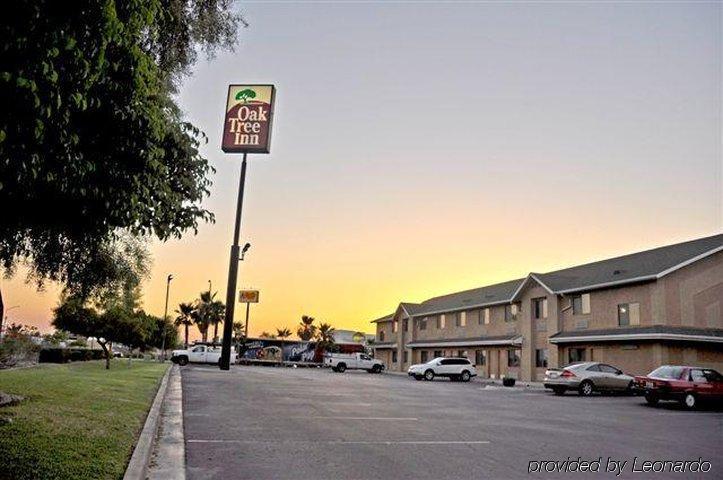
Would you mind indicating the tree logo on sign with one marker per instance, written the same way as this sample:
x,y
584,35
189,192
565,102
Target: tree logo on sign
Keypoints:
x,y
244,95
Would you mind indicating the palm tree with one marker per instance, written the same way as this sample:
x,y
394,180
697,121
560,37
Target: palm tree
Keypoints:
x,y
201,323
212,311
307,329
185,317
267,335
282,333
238,332
325,336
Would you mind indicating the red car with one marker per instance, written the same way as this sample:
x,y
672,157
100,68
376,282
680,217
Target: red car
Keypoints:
x,y
688,385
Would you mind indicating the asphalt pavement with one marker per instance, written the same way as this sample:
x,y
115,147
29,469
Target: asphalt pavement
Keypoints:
x,y
285,423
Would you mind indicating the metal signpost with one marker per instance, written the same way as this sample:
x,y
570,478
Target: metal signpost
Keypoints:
x,y
248,297
246,129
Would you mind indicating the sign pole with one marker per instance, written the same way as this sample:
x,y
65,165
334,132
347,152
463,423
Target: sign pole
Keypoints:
x,y
246,328
232,276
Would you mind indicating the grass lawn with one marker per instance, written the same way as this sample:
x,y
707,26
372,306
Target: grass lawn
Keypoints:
x,y
79,421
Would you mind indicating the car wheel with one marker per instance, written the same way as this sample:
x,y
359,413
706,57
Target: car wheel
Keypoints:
x,y
690,401
341,368
466,376
429,375
183,361
376,369
586,388
558,391
651,399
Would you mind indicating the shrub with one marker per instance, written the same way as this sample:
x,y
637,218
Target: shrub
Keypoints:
x,y
65,355
16,349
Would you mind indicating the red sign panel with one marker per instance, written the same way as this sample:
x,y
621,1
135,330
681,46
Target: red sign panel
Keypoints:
x,y
247,124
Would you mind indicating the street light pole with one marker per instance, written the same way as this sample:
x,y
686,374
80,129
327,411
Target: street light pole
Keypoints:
x,y
225,361
165,317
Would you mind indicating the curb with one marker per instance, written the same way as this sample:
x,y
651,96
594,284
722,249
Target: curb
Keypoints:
x,y
138,463
168,460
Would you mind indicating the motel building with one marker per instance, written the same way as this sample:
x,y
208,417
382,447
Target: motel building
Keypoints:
x,y
637,312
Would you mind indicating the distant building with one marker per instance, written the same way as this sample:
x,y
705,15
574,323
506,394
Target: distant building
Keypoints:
x,y
636,312
353,336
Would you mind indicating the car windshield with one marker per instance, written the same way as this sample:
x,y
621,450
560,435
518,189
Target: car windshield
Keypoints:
x,y
666,372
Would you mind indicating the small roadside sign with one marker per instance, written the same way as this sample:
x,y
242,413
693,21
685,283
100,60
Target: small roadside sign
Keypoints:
x,y
248,296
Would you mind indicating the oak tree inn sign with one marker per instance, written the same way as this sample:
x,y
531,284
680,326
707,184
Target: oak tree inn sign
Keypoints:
x,y
249,113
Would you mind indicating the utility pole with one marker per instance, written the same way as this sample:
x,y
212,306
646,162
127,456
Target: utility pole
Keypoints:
x,y
165,317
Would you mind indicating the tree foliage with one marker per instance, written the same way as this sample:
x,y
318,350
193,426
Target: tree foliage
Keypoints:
x,y
306,330
91,139
283,333
132,328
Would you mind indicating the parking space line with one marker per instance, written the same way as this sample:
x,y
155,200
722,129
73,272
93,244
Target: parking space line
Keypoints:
x,y
398,419
348,442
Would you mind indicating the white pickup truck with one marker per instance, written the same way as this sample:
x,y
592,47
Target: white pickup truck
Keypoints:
x,y
199,354
340,362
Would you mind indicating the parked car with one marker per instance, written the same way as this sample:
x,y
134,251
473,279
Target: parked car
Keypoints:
x,y
588,377
341,362
453,368
688,385
199,354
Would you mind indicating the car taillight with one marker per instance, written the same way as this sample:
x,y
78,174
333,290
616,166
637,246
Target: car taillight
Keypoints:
x,y
567,373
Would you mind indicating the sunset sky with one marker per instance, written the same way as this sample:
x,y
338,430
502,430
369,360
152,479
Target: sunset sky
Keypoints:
x,y
420,149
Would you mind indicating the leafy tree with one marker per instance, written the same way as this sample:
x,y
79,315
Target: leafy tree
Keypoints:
x,y
325,336
306,330
283,333
56,337
267,335
239,332
157,328
114,325
92,142
185,318
244,95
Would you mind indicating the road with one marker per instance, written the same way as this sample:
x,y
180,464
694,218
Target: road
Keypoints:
x,y
281,423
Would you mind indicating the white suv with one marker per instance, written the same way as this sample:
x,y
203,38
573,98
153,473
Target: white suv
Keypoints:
x,y
454,368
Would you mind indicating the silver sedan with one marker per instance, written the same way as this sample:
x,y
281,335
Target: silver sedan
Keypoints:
x,y
588,377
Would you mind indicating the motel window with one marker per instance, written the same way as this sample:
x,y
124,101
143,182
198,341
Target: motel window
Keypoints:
x,y
381,335
462,353
628,314
576,355
487,316
438,353
405,325
394,356
512,312
424,356
539,308
541,357
581,304
480,357
440,322
395,326
453,318
405,356
423,323
461,319
513,358
472,317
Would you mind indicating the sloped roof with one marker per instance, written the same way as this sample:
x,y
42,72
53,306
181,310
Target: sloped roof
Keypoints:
x,y
385,318
489,295
641,266
650,332
636,267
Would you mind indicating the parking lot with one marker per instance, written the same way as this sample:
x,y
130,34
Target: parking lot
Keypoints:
x,y
279,423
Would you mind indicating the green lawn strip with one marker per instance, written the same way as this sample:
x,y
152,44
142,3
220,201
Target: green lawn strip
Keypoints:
x,y
79,421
